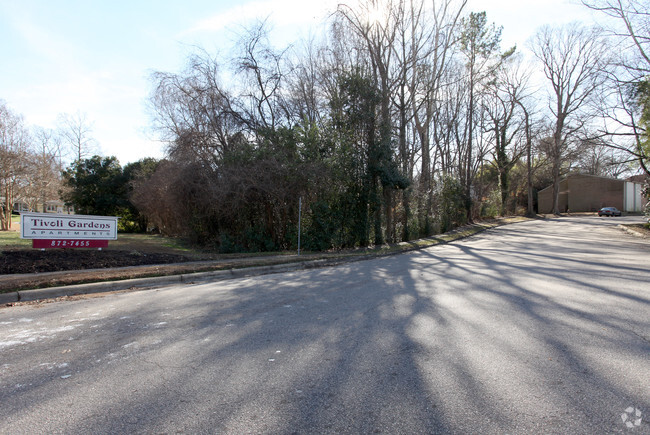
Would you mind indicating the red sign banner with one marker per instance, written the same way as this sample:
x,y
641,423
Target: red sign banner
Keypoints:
x,y
68,243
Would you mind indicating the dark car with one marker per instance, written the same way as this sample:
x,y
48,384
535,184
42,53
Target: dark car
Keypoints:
x,y
609,211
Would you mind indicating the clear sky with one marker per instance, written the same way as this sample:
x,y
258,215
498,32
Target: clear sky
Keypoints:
x,y
95,56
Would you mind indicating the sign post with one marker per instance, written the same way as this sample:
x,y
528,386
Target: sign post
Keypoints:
x,y
48,230
299,219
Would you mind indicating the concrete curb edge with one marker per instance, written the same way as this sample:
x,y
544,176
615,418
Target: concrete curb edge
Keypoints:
x,y
160,281
218,275
631,231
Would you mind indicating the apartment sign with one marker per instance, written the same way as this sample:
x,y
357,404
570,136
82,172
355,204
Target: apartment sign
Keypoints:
x,y
67,231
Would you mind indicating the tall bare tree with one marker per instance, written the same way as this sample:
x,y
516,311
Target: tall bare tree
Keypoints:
x,y
194,113
422,51
573,58
531,130
505,121
633,17
622,104
596,158
76,131
44,169
265,72
14,161
375,23
434,38
480,43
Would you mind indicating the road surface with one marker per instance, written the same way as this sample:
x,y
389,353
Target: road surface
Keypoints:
x,y
537,327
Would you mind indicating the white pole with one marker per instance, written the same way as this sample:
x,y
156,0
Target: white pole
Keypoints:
x,y
299,218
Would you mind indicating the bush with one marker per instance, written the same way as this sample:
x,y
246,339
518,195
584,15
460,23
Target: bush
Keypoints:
x,y
451,210
491,207
228,245
320,228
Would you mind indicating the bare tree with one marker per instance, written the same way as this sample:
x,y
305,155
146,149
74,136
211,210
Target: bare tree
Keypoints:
x,y
572,58
531,129
597,158
503,108
621,105
305,94
374,22
45,168
265,74
194,113
76,132
634,30
434,37
423,37
14,161
480,42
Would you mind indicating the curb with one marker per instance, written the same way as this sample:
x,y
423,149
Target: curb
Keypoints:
x,y
190,278
8,298
631,231
159,281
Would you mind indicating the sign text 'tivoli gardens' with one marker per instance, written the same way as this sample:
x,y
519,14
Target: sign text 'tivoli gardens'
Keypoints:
x,y
68,231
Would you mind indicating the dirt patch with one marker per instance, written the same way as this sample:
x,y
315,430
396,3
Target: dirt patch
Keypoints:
x,y
33,261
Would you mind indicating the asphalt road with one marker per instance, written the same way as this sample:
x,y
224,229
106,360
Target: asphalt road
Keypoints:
x,y
537,327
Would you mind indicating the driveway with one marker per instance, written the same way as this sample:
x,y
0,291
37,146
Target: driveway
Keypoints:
x,y
537,327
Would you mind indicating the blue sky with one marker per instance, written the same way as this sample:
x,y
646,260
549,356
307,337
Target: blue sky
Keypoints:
x,y
95,57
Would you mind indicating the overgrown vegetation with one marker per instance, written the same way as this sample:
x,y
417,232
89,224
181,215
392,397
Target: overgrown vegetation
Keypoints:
x,y
408,119
395,128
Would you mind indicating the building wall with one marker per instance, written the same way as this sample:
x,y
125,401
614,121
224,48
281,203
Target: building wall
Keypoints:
x,y
585,193
593,193
545,198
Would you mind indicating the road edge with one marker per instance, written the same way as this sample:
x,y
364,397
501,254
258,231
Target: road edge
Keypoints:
x,y
147,283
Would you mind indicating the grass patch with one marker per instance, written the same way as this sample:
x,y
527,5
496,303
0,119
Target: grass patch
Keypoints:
x,y
156,244
125,241
12,240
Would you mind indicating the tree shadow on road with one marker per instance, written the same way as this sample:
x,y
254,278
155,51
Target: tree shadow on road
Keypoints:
x,y
464,338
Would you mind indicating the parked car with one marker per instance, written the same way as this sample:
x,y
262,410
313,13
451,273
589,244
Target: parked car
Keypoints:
x,y
609,211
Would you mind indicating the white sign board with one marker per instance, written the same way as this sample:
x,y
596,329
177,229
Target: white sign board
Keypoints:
x,y
69,227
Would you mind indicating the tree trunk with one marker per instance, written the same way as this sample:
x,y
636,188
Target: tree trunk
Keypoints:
x,y
406,201
468,176
388,204
529,169
375,202
556,186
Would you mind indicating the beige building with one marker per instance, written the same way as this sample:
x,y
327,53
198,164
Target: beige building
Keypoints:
x,y
51,206
580,193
